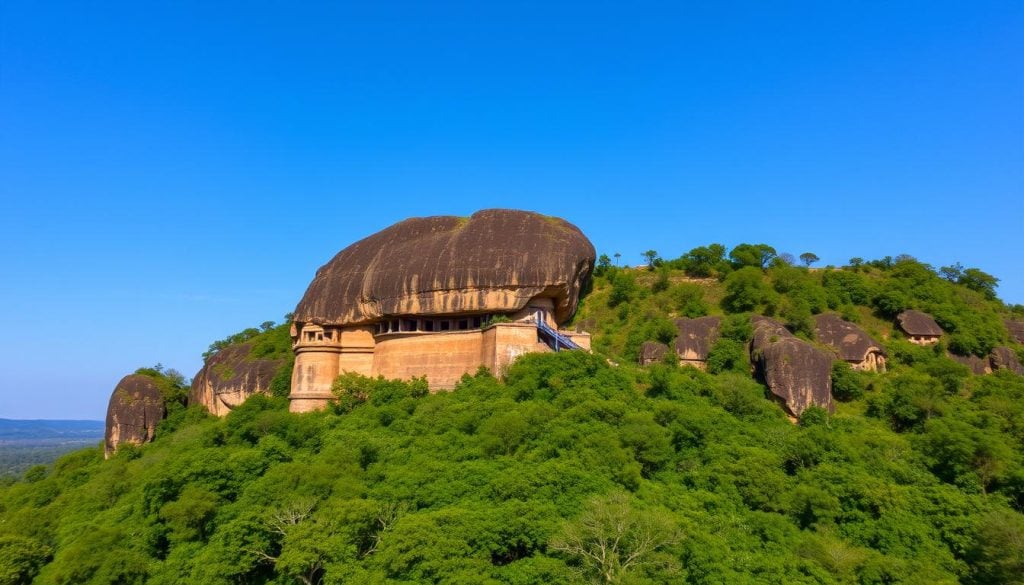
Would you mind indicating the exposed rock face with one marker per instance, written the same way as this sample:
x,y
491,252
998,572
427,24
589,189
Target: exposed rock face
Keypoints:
x,y
135,408
1016,329
696,336
1004,358
229,377
978,366
851,343
795,371
494,261
652,352
920,327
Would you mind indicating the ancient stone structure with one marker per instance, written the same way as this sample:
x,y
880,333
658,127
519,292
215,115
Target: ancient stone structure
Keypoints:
x,y
1004,358
229,377
696,336
652,352
135,408
850,343
921,328
420,298
796,372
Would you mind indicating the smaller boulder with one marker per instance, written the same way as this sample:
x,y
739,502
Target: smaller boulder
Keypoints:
x,y
978,366
136,407
1004,358
696,336
1016,329
652,352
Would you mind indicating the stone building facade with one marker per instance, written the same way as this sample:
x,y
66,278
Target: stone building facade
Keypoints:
x,y
439,297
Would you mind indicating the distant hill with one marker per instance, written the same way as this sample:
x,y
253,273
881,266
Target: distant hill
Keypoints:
x,y
24,443
49,430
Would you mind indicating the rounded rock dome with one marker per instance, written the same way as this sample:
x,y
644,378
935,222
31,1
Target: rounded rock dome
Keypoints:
x,y
494,261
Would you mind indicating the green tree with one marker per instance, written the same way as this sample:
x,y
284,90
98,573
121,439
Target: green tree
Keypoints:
x,y
752,255
652,259
611,540
809,258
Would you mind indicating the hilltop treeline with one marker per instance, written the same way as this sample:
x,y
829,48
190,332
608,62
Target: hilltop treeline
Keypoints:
x,y
571,469
631,306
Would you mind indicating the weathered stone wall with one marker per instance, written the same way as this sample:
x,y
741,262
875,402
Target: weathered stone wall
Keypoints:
x,y
442,357
507,341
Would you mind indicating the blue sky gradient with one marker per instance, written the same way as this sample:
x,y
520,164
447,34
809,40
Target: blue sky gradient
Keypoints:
x,y
171,173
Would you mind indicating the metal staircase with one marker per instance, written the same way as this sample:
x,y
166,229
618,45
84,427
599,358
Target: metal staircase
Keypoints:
x,y
553,338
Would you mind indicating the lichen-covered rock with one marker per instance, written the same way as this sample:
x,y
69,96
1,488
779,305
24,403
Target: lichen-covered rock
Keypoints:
x,y
1016,329
696,336
795,371
917,323
850,343
136,407
230,377
978,366
1004,358
494,261
652,352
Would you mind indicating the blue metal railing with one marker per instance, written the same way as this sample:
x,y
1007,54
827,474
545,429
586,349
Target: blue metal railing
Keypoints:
x,y
553,338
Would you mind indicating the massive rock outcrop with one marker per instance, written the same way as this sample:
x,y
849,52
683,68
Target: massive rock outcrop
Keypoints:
x,y
494,261
229,377
851,343
136,407
796,372
696,336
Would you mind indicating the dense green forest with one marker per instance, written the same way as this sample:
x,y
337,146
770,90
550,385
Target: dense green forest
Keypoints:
x,y
576,467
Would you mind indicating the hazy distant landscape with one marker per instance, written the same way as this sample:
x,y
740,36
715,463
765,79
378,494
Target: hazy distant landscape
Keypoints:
x,y
24,443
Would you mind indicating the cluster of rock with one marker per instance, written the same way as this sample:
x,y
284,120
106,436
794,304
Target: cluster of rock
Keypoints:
x,y
136,407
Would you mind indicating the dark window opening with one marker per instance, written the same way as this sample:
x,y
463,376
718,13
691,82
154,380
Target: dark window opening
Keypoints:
x,y
428,325
446,325
463,324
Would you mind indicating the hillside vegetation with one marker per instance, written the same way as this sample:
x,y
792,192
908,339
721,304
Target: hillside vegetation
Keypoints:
x,y
582,468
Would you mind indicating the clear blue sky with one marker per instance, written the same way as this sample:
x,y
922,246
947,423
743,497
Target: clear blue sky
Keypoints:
x,y
173,172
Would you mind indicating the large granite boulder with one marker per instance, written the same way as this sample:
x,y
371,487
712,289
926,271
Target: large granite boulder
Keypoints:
x,y
696,336
494,261
1016,329
136,407
652,352
849,342
796,372
916,323
231,376
1004,358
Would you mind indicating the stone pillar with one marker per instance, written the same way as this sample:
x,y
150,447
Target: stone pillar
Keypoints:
x,y
321,354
